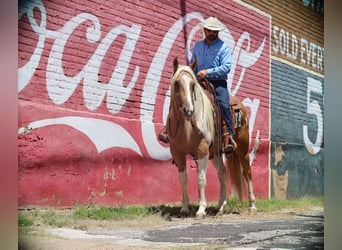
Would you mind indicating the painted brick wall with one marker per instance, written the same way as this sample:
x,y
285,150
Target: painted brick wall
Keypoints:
x,y
297,34
94,92
297,105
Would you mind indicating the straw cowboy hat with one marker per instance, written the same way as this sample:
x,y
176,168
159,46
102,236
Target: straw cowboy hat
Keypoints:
x,y
212,23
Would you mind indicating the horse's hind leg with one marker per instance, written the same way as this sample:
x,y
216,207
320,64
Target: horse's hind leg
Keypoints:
x,y
222,176
247,173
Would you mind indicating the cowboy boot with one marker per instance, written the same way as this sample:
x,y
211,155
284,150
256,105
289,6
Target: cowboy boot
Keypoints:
x,y
163,135
227,144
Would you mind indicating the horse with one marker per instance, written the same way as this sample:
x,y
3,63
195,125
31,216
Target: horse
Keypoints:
x,y
192,131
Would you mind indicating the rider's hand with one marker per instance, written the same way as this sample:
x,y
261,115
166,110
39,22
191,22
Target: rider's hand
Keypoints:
x,y
202,73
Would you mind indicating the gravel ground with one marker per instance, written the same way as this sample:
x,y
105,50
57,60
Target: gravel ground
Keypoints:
x,y
288,228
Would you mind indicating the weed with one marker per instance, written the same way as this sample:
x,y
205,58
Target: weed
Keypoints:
x,y
24,220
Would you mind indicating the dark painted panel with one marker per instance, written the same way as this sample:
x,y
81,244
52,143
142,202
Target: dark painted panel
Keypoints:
x,y
297,101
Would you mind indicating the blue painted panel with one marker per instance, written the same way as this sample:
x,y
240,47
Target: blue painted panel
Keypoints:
x,y
296,102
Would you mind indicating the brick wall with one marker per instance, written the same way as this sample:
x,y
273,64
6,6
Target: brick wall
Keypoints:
x,y
297,107
297,33
93,93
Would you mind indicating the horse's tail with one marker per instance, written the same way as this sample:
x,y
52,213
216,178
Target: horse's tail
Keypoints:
x,y
236,176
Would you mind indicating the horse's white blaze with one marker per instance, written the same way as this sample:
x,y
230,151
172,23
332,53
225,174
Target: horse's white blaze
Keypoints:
x,y
187,81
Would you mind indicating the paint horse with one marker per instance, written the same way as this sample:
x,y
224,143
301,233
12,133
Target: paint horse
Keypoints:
x,y
192,130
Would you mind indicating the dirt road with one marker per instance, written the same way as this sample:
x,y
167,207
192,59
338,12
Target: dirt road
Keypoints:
x,y
286,229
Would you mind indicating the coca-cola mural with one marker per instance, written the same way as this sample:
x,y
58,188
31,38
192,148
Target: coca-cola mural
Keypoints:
x,y
94,92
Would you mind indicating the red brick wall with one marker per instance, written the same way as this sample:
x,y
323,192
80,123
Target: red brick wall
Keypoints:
x,y
94,92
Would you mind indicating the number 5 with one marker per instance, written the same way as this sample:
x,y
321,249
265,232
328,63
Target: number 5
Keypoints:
x,y
314,109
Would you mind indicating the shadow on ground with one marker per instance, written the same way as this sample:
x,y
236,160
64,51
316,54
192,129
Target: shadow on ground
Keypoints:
x,y
169,212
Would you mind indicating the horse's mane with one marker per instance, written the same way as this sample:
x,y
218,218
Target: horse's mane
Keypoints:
x,y
180,69
203,118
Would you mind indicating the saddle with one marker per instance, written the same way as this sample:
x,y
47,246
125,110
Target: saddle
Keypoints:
x,y
234,104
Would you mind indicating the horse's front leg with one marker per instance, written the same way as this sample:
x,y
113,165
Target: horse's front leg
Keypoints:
x,y
180,162
183,178
201,182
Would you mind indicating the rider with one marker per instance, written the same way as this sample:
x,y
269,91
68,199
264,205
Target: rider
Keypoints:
x,y
214,62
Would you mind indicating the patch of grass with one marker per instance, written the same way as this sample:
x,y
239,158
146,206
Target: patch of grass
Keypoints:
x,y
56,218
70,217
234,205
107,212
50,216
270,205
25,220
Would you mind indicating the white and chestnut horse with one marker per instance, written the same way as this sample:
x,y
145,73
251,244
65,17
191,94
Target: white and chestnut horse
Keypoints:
x,y
191,130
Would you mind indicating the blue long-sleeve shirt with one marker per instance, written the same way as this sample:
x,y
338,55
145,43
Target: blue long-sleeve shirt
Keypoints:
x,y
216,58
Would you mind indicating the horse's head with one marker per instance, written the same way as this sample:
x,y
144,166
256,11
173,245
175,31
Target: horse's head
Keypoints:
x,y
183,86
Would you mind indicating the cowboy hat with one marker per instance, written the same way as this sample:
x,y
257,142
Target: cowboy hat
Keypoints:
x,y
212,23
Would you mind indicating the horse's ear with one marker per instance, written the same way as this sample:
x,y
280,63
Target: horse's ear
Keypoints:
x,y
175,64
194,64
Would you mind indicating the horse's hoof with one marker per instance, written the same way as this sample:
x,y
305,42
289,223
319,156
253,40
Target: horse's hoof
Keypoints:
x,y
200,215
164,137
252,210
184,213
219,212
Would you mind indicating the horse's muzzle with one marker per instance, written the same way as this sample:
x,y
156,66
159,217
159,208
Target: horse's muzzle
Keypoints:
x,y
187,112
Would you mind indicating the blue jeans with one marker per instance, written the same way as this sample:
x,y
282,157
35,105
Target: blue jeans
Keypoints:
x,y
222,96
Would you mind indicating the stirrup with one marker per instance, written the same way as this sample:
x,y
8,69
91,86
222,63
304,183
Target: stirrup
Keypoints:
x,y
228,144
233,142
228,148
163,137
